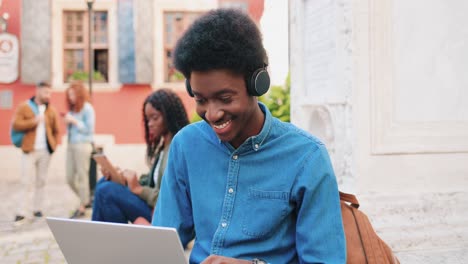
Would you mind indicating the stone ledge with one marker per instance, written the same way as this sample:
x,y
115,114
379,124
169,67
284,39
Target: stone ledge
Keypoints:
x,y
422,227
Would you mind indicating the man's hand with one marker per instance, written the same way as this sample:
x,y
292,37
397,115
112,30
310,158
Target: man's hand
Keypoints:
x,y
215,259
132,181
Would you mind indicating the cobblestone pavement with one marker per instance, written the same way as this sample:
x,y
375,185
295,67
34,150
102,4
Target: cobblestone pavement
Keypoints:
x,y
33,242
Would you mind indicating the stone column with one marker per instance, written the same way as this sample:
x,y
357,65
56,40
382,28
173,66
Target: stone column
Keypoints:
x,y
321,78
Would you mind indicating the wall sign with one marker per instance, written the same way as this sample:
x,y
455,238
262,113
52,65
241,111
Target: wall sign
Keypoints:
x,y
9,53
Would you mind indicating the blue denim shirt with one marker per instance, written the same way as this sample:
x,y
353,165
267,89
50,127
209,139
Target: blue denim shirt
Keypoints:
x,y
274,198
84,131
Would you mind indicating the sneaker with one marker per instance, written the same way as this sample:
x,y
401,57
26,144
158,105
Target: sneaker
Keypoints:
x,y
37,214
77,214
19,220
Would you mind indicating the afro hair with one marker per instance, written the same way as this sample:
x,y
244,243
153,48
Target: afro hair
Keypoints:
x,y
221,39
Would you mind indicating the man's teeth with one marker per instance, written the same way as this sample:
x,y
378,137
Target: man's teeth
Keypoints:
x,y
223,125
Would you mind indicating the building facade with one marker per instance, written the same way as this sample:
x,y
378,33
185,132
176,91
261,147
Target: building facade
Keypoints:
x,y
126,45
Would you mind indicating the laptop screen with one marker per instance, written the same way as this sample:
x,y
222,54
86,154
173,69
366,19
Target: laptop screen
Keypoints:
x,y
84,241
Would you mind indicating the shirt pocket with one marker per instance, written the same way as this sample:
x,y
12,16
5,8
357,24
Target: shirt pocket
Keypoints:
x,y
264,211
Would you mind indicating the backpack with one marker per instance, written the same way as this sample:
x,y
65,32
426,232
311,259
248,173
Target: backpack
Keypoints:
x,y
17,136
362,243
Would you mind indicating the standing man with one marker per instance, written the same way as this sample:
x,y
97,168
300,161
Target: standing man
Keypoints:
x,y
38,120
246,186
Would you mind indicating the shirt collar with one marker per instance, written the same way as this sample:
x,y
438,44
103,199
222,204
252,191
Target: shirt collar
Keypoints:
x,y
255,142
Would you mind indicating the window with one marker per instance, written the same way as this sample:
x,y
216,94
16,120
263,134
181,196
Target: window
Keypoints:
x,y
75,44
175,24
238,4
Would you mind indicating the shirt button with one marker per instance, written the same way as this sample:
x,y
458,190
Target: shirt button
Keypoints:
x,y
256,146
231,190
235,157
223,224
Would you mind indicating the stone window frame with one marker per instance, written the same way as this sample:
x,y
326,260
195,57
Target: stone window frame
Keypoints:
x,y
158,35
58,8
170,40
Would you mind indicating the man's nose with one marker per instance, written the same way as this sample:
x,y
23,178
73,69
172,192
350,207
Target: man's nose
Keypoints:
x,y
213,113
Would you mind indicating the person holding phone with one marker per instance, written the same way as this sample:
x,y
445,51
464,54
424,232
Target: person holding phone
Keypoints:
x,y
164,115
80,122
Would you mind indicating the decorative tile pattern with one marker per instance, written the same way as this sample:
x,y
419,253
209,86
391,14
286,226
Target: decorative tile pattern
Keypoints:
x,y
144,42
126,41
35,41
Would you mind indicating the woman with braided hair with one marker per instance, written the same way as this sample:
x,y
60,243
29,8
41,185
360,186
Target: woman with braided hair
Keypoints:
x,y
163,115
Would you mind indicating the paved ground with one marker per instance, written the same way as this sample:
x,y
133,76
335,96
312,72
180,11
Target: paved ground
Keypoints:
x,y
425,239
32,242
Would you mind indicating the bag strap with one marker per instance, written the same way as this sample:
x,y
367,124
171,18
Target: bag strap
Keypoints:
x,y
350,198
33,106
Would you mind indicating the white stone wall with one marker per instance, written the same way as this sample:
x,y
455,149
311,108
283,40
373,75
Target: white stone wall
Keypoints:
x,y
386,82
321,78
412,129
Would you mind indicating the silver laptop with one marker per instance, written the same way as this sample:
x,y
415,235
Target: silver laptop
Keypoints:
x,y
90,242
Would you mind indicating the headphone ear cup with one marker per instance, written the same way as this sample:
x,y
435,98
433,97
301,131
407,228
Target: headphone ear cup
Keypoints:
x,y
259,82
188,87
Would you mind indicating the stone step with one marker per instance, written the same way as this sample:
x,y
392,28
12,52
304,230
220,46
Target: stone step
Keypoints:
x,y
423,227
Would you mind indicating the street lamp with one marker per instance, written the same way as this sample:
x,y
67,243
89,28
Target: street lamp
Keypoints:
x,y
90,51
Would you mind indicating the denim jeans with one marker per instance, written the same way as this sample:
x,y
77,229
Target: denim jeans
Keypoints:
x,y
114,202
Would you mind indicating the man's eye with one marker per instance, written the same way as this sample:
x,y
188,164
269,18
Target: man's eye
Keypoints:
x,y
226,99
200,100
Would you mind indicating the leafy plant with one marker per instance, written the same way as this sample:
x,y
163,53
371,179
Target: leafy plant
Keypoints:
x,y
177,76
83,76
278,100
195,117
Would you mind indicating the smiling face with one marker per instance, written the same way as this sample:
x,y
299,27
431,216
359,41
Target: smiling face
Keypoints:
x,y
155,119
223,102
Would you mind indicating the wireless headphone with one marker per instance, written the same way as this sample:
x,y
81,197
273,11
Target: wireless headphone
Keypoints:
x,y
257,85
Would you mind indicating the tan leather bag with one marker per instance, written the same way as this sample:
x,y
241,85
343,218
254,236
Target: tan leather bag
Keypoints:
x,y
362,243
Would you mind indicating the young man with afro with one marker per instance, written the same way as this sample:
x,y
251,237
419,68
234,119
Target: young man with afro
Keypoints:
x,y
246,186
